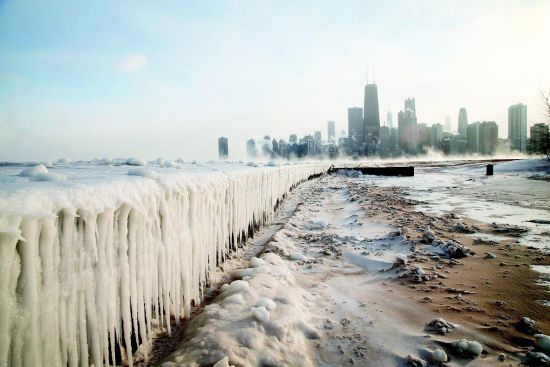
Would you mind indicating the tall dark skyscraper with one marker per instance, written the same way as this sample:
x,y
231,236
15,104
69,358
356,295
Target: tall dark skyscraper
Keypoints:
x,y
370,110
371,114
462,122
223,147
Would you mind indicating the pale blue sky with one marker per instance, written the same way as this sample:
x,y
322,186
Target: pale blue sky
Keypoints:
x,y
84,79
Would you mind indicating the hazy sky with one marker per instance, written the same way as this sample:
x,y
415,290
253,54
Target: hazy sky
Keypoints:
x,y
84,79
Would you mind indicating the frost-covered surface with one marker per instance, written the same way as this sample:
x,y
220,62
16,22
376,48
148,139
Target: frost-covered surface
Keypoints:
x,y
111,252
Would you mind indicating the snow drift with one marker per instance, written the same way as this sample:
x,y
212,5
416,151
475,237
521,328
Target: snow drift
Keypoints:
x,y
88,269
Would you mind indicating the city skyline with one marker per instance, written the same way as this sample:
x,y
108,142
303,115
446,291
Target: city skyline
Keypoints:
x,y
366,138
136,88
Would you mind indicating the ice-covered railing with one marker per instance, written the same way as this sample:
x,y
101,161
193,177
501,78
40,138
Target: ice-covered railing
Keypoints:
x,y
85,267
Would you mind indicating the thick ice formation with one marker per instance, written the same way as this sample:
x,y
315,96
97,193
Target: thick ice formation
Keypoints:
x,y
33,171
136,162
262,322
86,267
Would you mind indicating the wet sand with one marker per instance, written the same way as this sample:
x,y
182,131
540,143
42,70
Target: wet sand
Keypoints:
x,y
488,295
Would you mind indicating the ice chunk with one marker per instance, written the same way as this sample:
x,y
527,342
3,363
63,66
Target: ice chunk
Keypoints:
x,y
297,256
469,348
267,303
456,250
234,299
440,325
255,262
241,273
171,164
440,356
48,176
317,226
33,171
260,314
143,172
224,362
136,162
542,342
237,286
428,235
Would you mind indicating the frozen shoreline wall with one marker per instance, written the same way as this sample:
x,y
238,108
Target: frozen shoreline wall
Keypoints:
x,y
87,266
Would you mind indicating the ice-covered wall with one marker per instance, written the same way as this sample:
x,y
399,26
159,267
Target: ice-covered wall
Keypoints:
x,y
87,266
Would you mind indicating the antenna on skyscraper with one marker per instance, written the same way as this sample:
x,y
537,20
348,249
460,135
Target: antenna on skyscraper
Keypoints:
x,y
373,75
367,72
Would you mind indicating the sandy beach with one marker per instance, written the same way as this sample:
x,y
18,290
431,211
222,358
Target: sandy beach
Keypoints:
x,y
370,267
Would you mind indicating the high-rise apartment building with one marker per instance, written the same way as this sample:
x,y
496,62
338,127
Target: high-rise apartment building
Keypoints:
x,y
251,151
517,127
223,148
356,132
407,127
389,119
331,132
462,122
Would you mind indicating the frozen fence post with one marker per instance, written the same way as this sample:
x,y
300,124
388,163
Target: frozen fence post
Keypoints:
x,y
489,170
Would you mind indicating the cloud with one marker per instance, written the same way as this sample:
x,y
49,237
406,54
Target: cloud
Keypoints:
x,y
132,63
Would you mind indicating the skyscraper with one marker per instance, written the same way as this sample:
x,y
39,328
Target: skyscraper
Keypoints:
x,y
371,118
436,135
482,137
407,126
447,125
384,141
317,137
331,130
223,148
517,127
473,137
356,131
389,119
462,122
251,148
488,136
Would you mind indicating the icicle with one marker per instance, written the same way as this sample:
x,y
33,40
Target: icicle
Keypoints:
x,y
79,280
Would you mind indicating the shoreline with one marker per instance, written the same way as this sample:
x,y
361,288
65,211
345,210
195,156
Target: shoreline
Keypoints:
x,y
365,310
508,278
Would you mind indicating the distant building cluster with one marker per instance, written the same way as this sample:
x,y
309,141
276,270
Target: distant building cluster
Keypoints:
x,y
308,146
366,137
